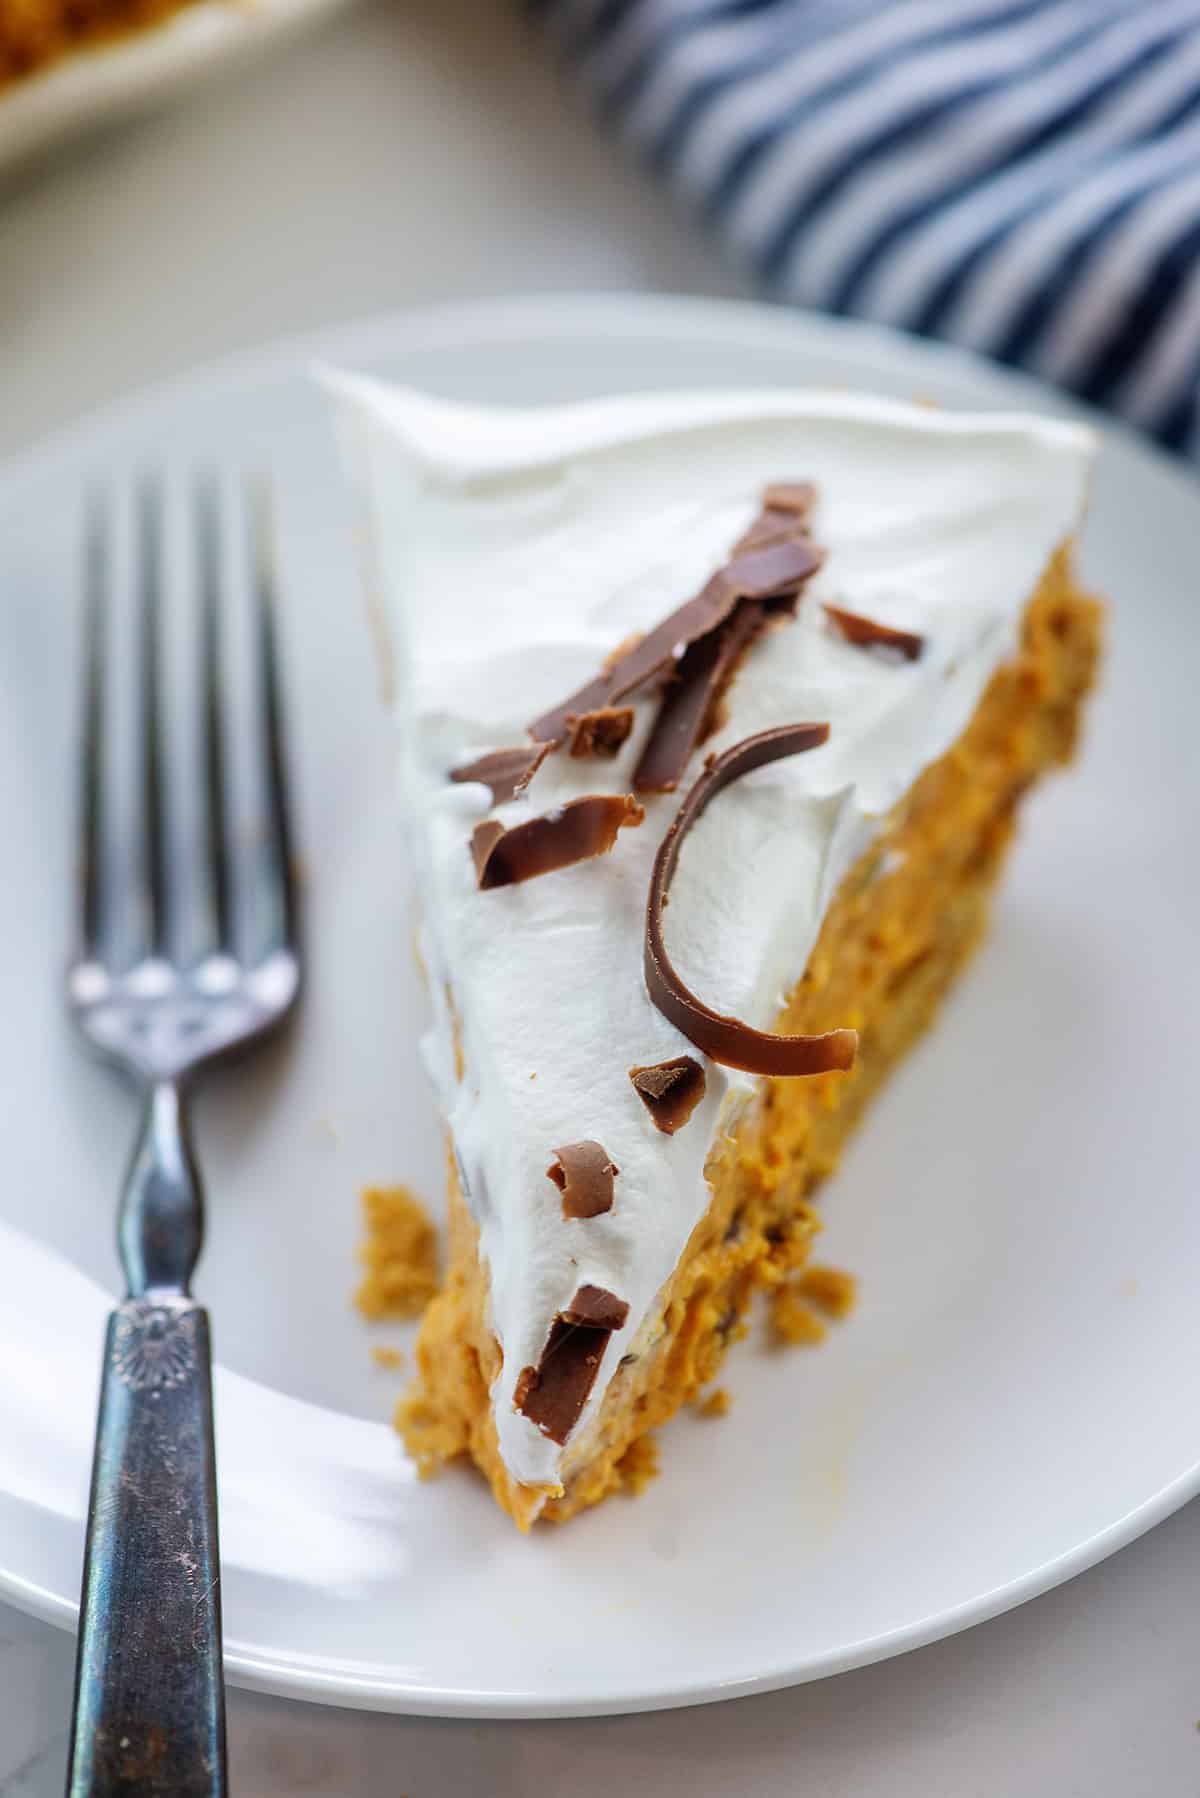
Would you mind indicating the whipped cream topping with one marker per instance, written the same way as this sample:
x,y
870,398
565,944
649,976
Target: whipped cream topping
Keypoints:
x,y
510,552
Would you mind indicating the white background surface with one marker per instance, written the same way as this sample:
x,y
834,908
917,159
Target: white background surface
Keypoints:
x,y
411,152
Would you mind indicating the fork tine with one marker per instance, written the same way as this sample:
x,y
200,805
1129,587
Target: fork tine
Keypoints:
x,y
214,912
277,918
96,576
153,845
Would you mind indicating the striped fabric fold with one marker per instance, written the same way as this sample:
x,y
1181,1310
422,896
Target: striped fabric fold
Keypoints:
x,y
1019,176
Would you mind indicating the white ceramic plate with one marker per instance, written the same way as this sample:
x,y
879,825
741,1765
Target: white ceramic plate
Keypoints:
x,y
1018,1392
134,71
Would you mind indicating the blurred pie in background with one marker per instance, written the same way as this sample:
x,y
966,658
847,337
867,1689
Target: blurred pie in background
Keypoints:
x,y
34,33
69,64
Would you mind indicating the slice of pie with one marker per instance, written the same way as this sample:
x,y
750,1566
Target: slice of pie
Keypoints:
x,y
715,711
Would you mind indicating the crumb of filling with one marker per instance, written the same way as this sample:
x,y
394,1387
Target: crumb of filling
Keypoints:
x,y
716,1404
793,1323
830,1289
399,1253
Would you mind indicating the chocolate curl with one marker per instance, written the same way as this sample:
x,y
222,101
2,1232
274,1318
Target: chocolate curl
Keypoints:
x,y
691,702
583,828
758,574
773,525
597,1306
552,1394
670,1091
725,1039
506,771
866,633
599,733
584,1174
794,497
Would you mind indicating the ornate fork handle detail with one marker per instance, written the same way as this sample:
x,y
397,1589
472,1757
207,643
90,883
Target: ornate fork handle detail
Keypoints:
x,y
153,1347
149,1705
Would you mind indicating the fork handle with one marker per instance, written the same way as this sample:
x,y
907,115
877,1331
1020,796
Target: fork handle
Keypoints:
x,y
149,1715
149,1709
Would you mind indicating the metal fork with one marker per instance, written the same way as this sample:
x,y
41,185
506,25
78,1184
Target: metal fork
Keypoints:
x,y
172,973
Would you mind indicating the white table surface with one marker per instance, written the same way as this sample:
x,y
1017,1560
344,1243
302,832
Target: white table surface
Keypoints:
x,y
412,151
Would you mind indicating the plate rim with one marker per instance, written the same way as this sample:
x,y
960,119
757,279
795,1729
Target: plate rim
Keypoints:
x,y
567,314
582,316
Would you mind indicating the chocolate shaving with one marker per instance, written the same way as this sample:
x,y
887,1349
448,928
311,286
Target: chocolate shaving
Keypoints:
x,y
786,505
670,1091
618,650
773,525
691,705
552,1394
796,497
579,830
780,568
526,1381
584,1175
866,633
726,1039
506,771
595,1306
599,733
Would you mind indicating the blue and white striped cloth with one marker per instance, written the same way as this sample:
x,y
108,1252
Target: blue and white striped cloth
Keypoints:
x,y
1021,176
